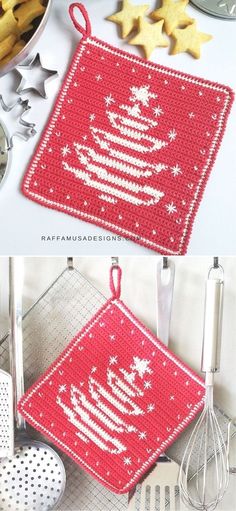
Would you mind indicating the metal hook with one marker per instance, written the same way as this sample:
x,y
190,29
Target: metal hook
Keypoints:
x,y
165,263
216,266
115,261
70,263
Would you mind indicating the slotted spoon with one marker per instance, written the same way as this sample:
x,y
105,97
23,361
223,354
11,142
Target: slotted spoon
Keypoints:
x,y
6,415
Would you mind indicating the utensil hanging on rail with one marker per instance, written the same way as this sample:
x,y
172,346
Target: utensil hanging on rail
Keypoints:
x,y
159,487
210,483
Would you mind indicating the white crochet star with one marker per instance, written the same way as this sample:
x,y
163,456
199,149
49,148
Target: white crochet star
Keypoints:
x,y
142,94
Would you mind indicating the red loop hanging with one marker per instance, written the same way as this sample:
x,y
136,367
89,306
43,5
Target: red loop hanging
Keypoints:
x,y
115,288
86,32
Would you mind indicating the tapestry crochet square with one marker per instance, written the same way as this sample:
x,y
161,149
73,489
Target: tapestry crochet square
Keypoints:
x,y
129,146
115,399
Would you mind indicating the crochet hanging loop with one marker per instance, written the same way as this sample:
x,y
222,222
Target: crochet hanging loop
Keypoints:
x,y
86,32
115,287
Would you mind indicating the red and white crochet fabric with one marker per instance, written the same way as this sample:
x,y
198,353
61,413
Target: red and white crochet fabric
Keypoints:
x,y
129,145
116,398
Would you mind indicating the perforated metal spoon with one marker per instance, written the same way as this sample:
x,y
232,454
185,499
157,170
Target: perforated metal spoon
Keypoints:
x,y
34,478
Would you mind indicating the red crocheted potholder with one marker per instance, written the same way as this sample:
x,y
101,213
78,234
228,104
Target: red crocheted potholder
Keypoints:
x,y
116,398
129,145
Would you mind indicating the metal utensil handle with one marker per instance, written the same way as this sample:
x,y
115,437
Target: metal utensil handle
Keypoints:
x,y
165,286
16,276
212,325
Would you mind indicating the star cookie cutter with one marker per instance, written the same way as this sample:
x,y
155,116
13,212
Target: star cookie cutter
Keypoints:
x,y
29,126
39,86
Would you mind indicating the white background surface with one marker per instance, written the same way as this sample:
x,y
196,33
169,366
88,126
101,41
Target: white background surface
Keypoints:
x,y
139,293
22,222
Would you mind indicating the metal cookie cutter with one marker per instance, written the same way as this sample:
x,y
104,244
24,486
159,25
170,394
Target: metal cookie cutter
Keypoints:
x,y
6,141
223,9
35,77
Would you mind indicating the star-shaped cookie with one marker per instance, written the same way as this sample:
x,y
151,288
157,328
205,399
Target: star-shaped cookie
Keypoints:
x,y
128,16
190,40
173,13
149,36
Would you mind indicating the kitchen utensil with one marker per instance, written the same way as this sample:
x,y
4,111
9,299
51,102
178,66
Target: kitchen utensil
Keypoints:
x,y
4,154
35,77
70,301
206,491
34,478
118,164
222,9
29,127
102,396
25,52
6,415
232,469
159,487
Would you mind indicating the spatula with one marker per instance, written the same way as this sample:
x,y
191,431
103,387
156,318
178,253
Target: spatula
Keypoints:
x,y
159,488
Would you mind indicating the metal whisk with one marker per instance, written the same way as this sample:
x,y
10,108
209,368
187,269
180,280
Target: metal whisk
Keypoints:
x,y
211,481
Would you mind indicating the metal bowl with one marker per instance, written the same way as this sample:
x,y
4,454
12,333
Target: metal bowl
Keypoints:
x,y
23,54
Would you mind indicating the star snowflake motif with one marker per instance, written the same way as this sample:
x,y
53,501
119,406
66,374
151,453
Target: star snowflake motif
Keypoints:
x,y
109,100
151,407
92,117
191,115
171,208
94,369
172,135
142,435
127,461
112,337
142,94
157,111
147,385
228,5
62,388
141,366
98,78
176,170
65,150
113,360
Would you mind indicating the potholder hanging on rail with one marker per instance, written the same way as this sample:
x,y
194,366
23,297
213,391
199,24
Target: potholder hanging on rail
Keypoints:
x,y
129,145
115,398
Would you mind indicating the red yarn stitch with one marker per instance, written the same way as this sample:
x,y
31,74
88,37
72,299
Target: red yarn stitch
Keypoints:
x,y
115,398
99,158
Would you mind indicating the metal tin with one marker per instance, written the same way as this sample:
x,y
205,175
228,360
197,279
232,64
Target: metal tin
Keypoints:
x,y
24,53
223,9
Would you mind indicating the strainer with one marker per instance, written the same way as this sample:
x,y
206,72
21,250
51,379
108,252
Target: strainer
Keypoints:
x,y
34,478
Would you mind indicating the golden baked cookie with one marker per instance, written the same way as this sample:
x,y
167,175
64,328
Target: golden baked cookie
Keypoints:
x,y
149,36
190,40
128,16
173,13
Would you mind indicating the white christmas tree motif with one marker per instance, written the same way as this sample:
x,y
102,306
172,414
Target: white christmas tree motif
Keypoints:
x,y
102,415
122,149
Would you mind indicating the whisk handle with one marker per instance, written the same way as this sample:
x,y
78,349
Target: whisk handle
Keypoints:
x,y
212,325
